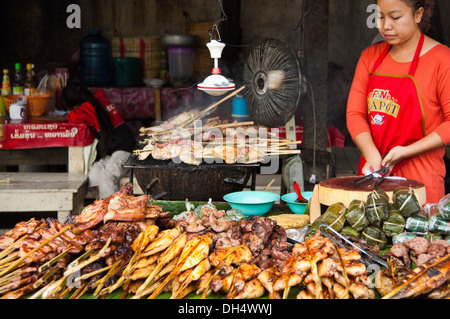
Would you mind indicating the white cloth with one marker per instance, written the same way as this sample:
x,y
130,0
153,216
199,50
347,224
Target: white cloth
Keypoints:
x,y
90,153
107,172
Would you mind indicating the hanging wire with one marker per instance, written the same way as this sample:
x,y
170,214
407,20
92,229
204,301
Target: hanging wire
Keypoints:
x,y
214,33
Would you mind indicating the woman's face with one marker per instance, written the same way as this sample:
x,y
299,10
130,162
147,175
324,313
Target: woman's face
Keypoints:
x,y
397,22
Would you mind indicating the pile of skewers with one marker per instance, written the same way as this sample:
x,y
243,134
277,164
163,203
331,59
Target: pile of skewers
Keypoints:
x,y
182,138
125,242
52,260
238,142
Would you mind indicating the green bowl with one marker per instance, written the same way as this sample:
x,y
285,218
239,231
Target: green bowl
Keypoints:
x,y
252,203
297,208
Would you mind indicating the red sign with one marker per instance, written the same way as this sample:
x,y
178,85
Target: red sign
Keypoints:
x,y
42,133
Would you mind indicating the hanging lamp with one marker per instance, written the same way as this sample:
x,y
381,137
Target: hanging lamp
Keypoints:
x,y
216,84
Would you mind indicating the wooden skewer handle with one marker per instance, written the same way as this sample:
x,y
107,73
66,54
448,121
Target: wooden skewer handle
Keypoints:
x,y
212,106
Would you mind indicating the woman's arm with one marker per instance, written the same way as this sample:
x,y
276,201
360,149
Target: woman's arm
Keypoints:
x,y
428,143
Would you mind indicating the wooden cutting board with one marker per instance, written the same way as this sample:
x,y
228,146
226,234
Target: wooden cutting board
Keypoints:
x,y
341,189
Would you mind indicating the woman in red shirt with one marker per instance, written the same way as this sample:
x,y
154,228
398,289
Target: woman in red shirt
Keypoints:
x,y
115,139
398,111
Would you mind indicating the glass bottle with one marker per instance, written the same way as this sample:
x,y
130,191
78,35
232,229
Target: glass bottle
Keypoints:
x,y
6,84
18,84
30,85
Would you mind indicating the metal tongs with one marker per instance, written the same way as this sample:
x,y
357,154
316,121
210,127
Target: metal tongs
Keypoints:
x,y
367,254
382,172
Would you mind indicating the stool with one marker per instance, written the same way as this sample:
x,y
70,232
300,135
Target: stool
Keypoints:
x,y
43,192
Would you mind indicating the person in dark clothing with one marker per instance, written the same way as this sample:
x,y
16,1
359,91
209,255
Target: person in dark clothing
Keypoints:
x,y
115,141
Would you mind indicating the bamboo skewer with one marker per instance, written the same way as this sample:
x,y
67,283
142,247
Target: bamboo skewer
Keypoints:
x,y
268,185
206,289
163,260
101,282
179,266
11,247
7,260
91,274
18,262
86,262
129,268
54,260
202,129
50,273
80,291
211,107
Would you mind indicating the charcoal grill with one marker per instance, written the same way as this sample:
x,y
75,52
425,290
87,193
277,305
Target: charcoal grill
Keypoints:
x,y
170,180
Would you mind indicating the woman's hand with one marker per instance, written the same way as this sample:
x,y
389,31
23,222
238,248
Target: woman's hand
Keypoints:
x,y
371,166
369,151
430,142
395,155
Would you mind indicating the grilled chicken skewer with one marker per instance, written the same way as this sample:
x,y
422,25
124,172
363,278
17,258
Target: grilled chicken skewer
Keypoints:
x,y
193,253
425,281
166,256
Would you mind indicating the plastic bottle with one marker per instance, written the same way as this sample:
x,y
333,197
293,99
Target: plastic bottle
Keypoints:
x,y
3,119
18,84
95,56
6,84
30,85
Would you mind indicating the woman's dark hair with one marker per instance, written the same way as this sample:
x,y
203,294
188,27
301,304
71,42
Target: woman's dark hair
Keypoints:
x,y
415,4
76,94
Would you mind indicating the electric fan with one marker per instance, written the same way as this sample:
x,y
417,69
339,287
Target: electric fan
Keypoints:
x,y
273,83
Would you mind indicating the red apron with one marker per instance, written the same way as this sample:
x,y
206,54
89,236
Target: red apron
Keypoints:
x,y
395,109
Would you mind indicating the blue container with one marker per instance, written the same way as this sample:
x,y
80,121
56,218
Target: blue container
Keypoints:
x,y
240,109
297,208
252,202
127,72
95,60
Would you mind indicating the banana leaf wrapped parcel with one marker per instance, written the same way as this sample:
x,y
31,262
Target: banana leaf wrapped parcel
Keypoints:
x,y
417,225
374,235
444,207
377,206
437,224
350,231
356,215
406,201
334,217
395,224
432,237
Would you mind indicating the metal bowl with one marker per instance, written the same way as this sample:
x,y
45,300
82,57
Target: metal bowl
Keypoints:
x,y
178,40
252,202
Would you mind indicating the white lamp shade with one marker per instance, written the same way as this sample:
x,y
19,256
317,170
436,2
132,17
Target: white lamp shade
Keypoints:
x,y
215,49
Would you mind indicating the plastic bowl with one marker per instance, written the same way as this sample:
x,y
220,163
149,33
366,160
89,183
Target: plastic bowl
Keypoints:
x,y
252,203
297,208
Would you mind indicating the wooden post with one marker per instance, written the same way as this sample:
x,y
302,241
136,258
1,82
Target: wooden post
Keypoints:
x,y
157,104
315,107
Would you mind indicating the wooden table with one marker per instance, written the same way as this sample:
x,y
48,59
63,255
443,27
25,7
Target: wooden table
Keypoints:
x,y
43,192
